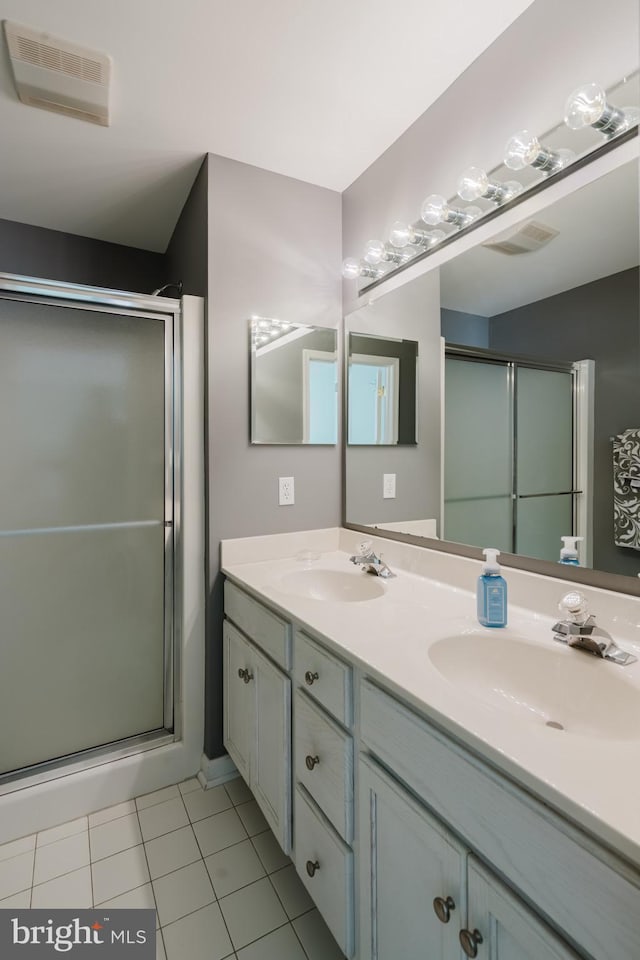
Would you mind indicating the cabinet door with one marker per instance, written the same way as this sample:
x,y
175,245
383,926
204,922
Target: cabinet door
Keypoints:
x,y
509,930
407,861
271,763
239,698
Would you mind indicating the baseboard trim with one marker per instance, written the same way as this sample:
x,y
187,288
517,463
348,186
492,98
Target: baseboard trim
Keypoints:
x,y
216,771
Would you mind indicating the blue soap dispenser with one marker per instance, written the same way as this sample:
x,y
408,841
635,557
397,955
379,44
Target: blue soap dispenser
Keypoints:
x,y
492,592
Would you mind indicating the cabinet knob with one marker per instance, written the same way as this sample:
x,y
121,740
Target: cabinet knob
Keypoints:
x,y
443,908
469,942
311,761
245,675
310,677
312,866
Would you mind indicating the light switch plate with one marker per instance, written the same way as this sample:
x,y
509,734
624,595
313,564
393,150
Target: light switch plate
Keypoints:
x,y
388,486
286,491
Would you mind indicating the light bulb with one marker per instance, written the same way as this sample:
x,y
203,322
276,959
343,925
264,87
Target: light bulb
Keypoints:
x,y
400,234
525,150
434,209
374,252
474,183
352,269
587,107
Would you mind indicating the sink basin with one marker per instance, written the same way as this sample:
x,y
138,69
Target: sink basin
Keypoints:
x,y
566,690
334,585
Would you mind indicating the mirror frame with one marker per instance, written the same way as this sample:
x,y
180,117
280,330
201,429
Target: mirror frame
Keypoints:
x,y
547,568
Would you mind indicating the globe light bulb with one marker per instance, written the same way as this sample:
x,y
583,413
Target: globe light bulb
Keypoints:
x,y
521,150
434,209
374,252
400,234
473,184
351,268
587,107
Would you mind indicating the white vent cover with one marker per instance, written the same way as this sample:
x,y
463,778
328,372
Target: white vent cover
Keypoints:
x,y
58,75
522,239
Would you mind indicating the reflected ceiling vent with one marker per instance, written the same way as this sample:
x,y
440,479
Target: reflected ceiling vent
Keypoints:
x,y
57,75
522,239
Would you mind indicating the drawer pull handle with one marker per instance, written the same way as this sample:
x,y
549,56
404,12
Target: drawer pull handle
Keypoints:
x,y
245,675
469,942
311,761
310,677
312,866
443,908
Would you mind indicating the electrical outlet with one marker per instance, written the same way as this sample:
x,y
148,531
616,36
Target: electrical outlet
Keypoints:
x,y
286,491
388,486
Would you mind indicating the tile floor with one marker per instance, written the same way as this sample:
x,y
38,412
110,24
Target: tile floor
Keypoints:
x,y
205,860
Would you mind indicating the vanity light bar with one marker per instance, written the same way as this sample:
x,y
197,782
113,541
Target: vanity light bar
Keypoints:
x,y
586,106
266,329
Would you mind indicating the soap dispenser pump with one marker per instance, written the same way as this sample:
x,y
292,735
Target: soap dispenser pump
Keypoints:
x,y
492,592
569,552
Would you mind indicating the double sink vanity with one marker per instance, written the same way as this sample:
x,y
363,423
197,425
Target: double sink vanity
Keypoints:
x,y
443,789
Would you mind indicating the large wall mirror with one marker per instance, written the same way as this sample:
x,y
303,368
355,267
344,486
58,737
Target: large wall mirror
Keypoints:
x,y
532,340
294,383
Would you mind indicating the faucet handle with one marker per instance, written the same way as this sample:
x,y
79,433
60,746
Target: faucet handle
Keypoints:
x,y
574,605
365,546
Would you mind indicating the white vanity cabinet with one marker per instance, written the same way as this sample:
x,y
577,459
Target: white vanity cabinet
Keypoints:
x,y
257,708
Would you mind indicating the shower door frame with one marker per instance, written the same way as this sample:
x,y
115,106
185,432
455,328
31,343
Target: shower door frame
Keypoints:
x,y
168,311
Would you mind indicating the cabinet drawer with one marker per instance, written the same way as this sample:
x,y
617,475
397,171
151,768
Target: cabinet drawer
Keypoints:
x,y
260,625
325,864
545,857
324,763
326,678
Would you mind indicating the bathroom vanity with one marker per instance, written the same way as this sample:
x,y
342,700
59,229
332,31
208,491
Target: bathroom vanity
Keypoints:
x,y
443,789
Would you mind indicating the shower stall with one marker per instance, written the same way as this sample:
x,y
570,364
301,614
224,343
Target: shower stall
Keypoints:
x,y
91,551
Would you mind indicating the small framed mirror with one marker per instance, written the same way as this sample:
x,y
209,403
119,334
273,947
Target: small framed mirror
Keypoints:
x,y
381,390
294,383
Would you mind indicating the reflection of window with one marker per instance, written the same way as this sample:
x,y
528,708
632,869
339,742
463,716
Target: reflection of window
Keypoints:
x,y
320,396
373,399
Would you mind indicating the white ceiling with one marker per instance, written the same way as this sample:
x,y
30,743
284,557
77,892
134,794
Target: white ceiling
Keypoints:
x,y
598,236
314,89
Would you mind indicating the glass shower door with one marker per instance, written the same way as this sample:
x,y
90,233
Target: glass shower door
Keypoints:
x,y
85,506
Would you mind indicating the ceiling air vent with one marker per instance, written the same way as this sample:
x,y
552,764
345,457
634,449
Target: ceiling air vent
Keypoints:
x,y
58,75
523,239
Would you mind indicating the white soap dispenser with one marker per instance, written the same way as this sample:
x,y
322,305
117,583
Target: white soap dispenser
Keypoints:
x,y
569,552
492,592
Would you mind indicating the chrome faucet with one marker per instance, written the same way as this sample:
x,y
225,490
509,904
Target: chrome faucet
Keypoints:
x,y
370,562
579,629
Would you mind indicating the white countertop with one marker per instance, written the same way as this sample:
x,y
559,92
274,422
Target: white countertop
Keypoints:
x,y
593,780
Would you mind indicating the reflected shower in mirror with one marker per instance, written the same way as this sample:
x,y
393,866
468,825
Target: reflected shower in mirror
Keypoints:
x,y
540,372
294,383
381,390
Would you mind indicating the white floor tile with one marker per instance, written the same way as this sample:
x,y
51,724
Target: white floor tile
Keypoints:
x,y
282,944
316,937
158,796
252,818
16,874
252,912
71,890
141,898
22,899
189,786
63,830
163,818
293,894
114,836
160,954
238,791
200,936
112,813
220,831
171,851
233,868
270,852
206,802
56,859
115,875
183,891
15,847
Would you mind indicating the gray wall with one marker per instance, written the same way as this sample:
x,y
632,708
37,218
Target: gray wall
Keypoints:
x,y
53,255
598,321
521,80
277,388
274,250
464,328
413,313
187,254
